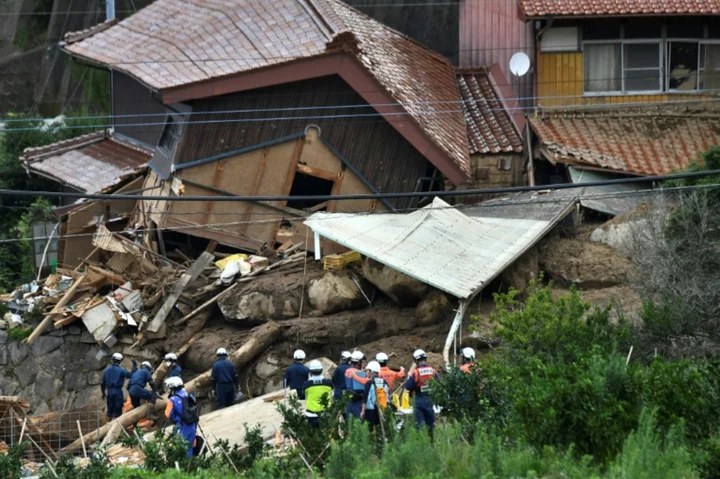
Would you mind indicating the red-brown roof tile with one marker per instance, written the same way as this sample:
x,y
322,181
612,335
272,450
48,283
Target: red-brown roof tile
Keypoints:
x,y
489,126
646,142
173,43
90,163
583,8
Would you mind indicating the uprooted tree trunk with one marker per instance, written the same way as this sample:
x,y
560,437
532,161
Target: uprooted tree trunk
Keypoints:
x,y
259,340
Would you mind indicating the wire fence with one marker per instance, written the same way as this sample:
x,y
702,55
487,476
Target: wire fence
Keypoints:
x,y
46,435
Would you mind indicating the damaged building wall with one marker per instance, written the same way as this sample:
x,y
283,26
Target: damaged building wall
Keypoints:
x,y
502,170
301,166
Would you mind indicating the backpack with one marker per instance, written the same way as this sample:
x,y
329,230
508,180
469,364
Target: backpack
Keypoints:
x,y
189,414
381,398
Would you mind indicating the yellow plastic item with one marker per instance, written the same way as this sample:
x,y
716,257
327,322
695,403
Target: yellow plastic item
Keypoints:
x,y
405,401
396,400
233,257
337,262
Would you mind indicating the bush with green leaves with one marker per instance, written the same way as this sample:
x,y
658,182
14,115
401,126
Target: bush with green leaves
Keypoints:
x,y
11,463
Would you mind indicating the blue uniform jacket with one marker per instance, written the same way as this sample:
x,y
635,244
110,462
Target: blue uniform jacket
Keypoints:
x,y
114,377
295,377
338,380
223,372
141,377
176,371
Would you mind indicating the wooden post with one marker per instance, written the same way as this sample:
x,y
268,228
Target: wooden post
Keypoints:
x,y
60,305
81,439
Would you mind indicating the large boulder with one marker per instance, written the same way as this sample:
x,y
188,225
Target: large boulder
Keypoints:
x,y
46,344
524,270
333,293
433,308
401,288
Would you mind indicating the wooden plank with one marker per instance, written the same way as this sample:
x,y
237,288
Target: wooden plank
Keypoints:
x,y
253,191
291,169
190,275
60,305
317,172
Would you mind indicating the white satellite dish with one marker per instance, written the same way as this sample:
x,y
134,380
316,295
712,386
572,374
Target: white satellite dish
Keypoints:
x,y
519,64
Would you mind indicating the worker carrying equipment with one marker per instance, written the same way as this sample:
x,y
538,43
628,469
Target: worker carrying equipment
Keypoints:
x,y
468,359
182,410
355,380
376,395
338,378
317,391
224,380
113,380
297,374
386,373
418,384
174,369
136,387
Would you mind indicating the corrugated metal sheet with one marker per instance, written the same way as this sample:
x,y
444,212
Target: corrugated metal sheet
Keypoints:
x,y
382,156
547,205
612,199
491,31
90,163
437,245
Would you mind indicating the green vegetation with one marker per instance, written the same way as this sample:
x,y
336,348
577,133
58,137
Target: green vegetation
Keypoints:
x,y
19,333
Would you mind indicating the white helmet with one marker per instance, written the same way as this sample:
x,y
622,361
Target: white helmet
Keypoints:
x,y
345,355
315,367
117,357
381,357
419,354
468,353
173,382
146,364
357,356
221,352
172,356
299,355
373,366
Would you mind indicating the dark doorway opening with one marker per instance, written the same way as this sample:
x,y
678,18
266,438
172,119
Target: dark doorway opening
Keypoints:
x,y
307,185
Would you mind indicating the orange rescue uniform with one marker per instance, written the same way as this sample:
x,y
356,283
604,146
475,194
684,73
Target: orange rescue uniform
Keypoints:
x,y
391,376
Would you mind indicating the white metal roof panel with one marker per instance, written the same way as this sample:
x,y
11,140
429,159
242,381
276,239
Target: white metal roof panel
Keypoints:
x,y
437,245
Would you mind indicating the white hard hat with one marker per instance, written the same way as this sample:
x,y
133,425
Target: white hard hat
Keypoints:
x,y
172,356
221,352
117,357
146,364
373,366
173,382
381,357
299,354
468,353
419,354
357,356
315,366
345,355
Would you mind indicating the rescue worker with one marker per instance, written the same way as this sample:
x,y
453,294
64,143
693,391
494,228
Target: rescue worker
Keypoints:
x,y
181,409
297,374
112,383
417,384
224,379
377,392
468,359
314,390
355,379
338,378
136,387
174,369
386,373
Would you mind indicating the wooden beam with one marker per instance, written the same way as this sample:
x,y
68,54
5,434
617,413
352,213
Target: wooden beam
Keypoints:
x,y
292,168
256,185
190,275
60,305
317,172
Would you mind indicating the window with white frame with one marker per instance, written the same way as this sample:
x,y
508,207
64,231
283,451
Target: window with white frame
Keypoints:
x,y
620,60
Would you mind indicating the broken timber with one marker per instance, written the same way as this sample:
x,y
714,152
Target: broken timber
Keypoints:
x,y
259,340
188,277
58,307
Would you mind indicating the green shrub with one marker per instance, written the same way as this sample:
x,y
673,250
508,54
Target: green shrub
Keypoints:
x,y
11,463
19,333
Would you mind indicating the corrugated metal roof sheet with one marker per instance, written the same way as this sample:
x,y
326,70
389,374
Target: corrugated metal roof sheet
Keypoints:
x,y
173,43
581,8
545,205
90,163
437,245
652,141
489,127
611,199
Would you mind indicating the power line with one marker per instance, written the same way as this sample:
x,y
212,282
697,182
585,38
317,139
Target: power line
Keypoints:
x,y
365,196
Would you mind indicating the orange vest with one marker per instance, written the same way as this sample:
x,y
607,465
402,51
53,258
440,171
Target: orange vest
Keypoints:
x,y
390,376
422,375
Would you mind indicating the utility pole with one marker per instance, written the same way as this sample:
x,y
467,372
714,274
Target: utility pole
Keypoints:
x,y
109,9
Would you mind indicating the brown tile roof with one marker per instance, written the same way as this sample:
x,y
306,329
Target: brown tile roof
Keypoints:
x,y
173,43
91,163
643,141
582,8
489,126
